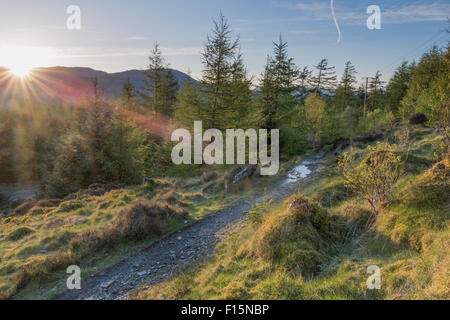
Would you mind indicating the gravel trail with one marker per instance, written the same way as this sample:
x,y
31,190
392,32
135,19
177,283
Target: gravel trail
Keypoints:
x,y
159,261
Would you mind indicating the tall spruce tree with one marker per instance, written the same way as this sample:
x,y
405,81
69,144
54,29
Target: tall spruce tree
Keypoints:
x,y
286,73
128,97
218,58
304,79
160,85
268,95
241,94
376,93
189,106
398,86
346,87
278,85
169,91
325,79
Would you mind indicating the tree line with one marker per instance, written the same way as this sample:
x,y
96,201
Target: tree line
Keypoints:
x,y
68,147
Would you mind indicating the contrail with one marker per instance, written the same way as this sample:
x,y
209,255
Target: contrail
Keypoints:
x,y
335,21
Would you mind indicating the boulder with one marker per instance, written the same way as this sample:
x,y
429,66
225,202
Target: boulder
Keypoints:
x,y
247,172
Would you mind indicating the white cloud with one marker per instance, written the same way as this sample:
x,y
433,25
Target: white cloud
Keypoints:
x,y
136,38
312,6
417,13
123,52
395,15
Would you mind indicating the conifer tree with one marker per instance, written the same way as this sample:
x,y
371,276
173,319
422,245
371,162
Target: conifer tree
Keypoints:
x,y
304,78
278,86
241,93
189,106
325,79
376,97
375,84
268,95
398,86
160,84
218,57
286,72
346,88
129,95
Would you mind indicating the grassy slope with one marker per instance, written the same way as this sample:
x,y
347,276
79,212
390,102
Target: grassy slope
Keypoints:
x,y
73,231
321,248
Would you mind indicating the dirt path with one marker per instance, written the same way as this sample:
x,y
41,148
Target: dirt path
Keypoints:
x,y
191,244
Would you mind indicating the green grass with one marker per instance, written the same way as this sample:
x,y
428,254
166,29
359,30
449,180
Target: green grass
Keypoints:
x,y
321,247
27,272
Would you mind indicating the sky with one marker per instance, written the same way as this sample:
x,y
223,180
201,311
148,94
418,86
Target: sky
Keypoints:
x,y
117,35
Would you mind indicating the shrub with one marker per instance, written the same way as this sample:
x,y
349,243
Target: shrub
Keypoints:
x,y
375,177
418,118
35,211
24,207
48,203
258,209
70,206
145,219
209,175
19,233
292,238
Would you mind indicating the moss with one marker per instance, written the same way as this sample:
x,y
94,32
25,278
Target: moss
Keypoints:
x,y
20,233
24,207
35,211
70,205
332,193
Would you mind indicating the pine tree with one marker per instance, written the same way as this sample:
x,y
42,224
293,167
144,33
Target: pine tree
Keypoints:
x,y
169,90
304,79
398,86
375,84
268,95
278,86
128,96
160,84
241,93
217,58
348,78
189,106
286,73
346,88
325,78
376,96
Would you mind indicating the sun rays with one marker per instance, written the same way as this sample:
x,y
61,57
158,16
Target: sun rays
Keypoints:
x,y
20,60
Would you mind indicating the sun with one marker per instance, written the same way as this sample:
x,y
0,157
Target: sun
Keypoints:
x,y
20,71
20,60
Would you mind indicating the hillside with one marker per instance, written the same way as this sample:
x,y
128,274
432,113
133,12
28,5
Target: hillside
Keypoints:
x,y
69,84
318,244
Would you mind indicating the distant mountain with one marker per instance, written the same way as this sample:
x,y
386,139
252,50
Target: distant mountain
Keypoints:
x,y
68,84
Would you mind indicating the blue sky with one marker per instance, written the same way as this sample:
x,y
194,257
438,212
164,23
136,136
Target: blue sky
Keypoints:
x,y
116,35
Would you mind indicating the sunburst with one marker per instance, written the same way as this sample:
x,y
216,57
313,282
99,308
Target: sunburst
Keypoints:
x,y
20,60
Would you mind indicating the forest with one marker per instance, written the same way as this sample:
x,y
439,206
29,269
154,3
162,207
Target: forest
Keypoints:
x,y
68,147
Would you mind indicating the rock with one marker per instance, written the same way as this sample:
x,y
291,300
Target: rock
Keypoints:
x,y
179,238
146,180
142,273
43,251
243,174
106,285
